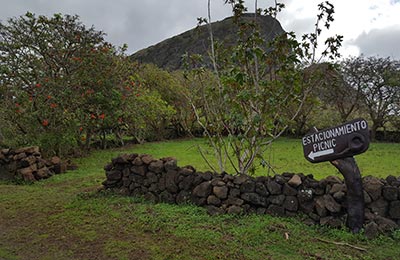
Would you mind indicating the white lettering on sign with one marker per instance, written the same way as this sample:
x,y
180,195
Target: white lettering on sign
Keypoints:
x,y
324,142
334,132
324,145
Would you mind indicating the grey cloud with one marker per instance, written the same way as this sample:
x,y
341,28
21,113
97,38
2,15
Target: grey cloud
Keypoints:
x,y
135,22
141,23
380,42
168,19
299,26
155,22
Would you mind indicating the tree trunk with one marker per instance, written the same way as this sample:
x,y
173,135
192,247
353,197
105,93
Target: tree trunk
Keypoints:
x,y
355,194
103,140
374,128
88,139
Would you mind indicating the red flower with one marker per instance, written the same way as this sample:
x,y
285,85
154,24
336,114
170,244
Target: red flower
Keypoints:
x,y
53,105
45,122
80,129
138,94
102,116
92,116
38,85
48,97
17,104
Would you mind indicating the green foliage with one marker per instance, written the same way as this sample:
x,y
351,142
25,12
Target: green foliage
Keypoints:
x,y
173,107
147,116
64,88
260,88
56,73
5,254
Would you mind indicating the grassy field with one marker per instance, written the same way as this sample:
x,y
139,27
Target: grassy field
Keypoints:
x,y
66,217
286,155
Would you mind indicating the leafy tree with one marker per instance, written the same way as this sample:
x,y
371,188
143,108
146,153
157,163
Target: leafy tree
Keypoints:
x,y
195,81
378,81
256,83
172,92
58,77
103,87
148,116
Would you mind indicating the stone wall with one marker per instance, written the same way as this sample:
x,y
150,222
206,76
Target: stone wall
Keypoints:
x,y
27,164
318,202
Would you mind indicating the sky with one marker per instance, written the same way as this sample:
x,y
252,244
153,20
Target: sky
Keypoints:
x,y
369,27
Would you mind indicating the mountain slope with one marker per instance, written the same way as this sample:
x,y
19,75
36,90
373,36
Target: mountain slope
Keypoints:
x,y
168,53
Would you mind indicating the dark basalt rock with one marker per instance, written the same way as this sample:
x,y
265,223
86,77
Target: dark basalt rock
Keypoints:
x,y
320,202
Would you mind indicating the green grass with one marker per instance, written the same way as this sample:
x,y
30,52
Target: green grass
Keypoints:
x,y
285,155
65,217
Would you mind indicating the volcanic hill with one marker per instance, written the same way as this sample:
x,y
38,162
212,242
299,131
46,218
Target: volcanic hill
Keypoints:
x,y
168,53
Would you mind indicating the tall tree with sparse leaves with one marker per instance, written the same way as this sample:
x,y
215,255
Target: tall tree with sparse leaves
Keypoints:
x,y
246,110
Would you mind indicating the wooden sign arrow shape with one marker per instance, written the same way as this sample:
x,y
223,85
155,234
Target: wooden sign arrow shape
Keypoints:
x,y
312,155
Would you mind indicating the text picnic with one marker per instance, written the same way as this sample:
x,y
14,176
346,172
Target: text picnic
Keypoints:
x,y
326,139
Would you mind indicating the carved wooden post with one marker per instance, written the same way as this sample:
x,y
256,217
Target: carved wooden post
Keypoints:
x,y
355,195
338,145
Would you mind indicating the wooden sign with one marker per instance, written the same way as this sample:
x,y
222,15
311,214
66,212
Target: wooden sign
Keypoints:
x,y
337,142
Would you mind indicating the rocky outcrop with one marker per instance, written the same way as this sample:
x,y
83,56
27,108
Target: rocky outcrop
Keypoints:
x,y
319,202
27,164
168,53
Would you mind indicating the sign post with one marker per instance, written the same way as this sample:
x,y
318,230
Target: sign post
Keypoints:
x,y
337,142
338,145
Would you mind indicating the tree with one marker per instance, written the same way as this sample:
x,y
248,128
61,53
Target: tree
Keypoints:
x,y
148,116
172,92
335,93
319,80
102,89
58,76
256,82
378,81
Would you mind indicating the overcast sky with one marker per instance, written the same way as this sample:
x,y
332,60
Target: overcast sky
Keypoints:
x,y
369,27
